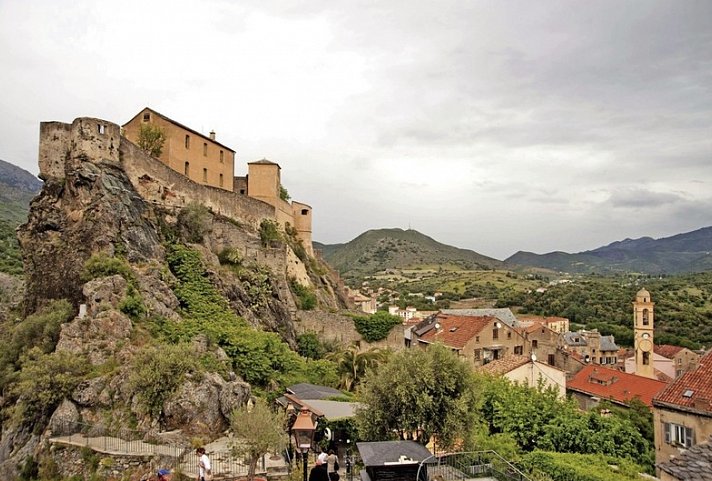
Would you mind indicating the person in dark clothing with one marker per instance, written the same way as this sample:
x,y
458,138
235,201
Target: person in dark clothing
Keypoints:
x,y
318,472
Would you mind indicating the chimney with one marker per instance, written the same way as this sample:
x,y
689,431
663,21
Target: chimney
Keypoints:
x,y
212,135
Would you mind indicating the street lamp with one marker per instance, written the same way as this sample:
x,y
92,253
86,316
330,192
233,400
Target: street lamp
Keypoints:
x,y
303,429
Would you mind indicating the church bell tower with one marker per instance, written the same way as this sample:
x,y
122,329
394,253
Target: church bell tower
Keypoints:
x,y
643,334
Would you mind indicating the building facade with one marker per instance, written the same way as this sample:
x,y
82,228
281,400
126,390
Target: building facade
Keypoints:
x,y
200,158
682,412
643,334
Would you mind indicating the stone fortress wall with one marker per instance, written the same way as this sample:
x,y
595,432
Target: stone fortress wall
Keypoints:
x,y
98,140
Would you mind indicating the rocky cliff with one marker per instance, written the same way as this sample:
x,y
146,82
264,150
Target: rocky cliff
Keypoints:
x,y
98,236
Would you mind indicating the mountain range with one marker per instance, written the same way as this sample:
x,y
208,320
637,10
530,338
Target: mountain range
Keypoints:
x,y
380,249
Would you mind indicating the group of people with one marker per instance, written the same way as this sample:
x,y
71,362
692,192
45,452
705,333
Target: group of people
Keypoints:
x,y
204,468
326,467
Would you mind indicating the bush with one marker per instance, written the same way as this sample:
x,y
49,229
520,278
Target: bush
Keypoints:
x,y
230,256
151,139
157,373
132,304
309,346
102,265
306,299
376,326
269,233
194,221
580,467
43,381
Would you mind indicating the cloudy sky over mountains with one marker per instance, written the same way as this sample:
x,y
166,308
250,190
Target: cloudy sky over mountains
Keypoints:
x,y
494,126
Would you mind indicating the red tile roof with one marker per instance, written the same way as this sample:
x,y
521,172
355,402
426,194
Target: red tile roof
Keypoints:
x,y
618,386
666,350
692,391
456,331
505,365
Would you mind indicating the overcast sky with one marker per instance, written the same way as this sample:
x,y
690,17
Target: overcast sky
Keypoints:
x,y
495,126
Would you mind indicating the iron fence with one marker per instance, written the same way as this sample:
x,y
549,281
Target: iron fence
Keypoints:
x,y
468,466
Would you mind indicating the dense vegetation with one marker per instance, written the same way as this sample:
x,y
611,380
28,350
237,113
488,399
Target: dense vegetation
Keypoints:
x,y
683,306
433,394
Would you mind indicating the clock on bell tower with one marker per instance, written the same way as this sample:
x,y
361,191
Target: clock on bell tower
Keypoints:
x,y
643,321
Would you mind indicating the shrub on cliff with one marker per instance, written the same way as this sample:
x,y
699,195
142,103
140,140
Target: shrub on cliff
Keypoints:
x,y
305,297
194,221
269,233
159,371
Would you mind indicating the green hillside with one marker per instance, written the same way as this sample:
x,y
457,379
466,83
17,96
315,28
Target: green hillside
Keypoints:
x,y
682,253
17,188
380,249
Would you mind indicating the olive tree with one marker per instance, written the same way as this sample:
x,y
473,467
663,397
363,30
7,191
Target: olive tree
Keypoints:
x,y
418,394
258,430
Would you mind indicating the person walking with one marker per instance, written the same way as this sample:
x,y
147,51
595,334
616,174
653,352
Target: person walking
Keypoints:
x,y
204,468
332,466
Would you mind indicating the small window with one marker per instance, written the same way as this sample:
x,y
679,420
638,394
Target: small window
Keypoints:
x,y
646,320
305,211
535,343
221,180
222,157
646,358
495,333
242,191
146,117
477,339
101,128
205,175
205,149
187,141
519,350
509,334
478,354
551,360
186,169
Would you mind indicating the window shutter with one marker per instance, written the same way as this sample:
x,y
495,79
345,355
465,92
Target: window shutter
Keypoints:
x,y
689,437
666,428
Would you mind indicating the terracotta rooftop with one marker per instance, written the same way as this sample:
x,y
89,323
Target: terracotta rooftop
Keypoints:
x,y
456,331
693,464
666,350
692,391
505,365
615,385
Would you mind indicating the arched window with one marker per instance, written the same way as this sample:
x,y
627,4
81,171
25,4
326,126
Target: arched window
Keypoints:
x,y
646,358
646,319
186,169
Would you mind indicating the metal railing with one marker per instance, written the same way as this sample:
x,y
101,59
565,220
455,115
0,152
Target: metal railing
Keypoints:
x,y
164,452
466,466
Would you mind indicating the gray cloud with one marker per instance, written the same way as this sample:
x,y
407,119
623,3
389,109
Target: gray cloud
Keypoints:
x,y
495,126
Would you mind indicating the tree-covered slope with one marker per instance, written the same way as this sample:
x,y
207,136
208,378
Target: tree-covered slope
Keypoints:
x,y
17,188
379,249
688,252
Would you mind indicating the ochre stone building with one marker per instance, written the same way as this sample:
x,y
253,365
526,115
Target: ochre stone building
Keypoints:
x,y
206,161
202,159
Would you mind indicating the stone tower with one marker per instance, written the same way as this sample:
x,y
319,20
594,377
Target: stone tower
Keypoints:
x,y
643,322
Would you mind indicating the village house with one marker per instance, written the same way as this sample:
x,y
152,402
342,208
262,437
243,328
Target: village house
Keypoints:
x,y
479,339
526,370
591,346
206,161
683,359
540,341
682,412
556,324
595,383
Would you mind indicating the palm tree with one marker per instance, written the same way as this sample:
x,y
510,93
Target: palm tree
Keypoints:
x,y
353,363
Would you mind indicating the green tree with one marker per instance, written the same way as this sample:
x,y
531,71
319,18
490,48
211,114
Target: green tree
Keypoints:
x,y
151,139
284,194
258,430
376,326
418,394
352,364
